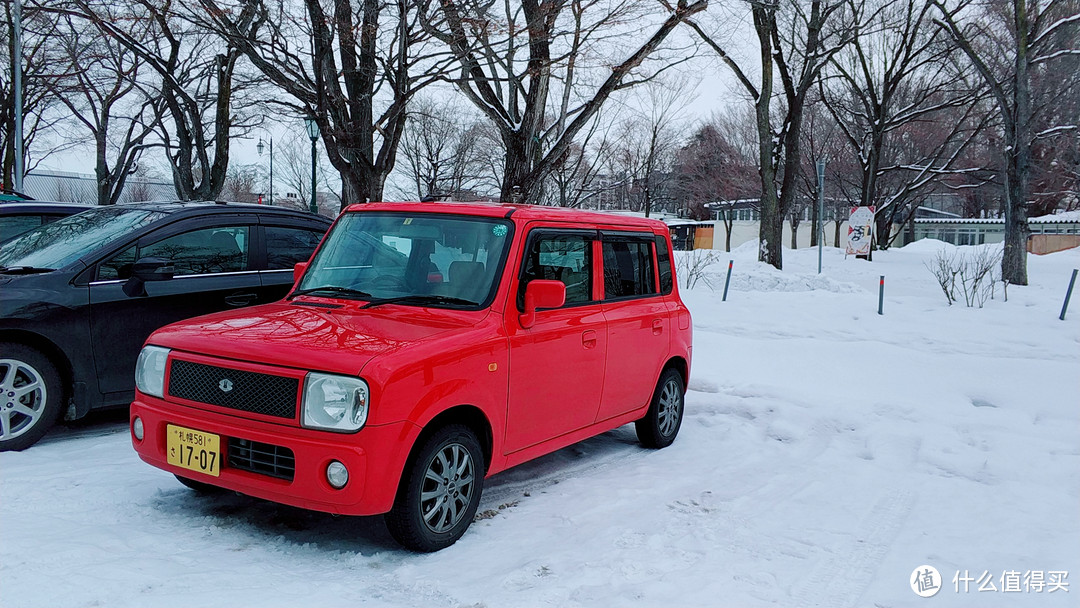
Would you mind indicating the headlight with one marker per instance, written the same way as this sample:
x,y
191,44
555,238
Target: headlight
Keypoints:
x,y
150,370
334,403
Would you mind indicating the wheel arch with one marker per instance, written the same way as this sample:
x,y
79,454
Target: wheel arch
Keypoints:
x,y
680,365
466,415
48,348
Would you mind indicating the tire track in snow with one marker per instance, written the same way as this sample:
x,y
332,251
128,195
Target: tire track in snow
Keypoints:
x,y
840,579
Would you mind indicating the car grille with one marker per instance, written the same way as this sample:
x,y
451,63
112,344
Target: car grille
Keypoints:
x,y
247,391
262,458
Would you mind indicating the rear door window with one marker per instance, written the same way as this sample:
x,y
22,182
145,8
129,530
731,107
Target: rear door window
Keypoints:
x,y
628,267
286,247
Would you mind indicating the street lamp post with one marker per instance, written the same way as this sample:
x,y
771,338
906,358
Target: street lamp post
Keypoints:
x,y
260,146
16,19
313,132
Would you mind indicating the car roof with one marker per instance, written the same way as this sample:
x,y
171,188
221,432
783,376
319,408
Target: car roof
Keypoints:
x,y
28,207
516,211
196,207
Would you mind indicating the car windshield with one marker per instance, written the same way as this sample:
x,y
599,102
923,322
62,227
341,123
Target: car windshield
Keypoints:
x,y
60,243
415,259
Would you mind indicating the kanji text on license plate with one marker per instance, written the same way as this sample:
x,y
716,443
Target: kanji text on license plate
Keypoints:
x,y
193,450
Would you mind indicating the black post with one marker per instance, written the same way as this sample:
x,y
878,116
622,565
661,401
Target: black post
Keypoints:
x,y
727,281
881,295
1068,294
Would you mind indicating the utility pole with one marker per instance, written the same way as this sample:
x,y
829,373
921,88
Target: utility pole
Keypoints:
x,y
17,78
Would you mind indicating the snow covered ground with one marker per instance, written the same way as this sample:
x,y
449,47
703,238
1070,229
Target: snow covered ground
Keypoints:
x,y
826,453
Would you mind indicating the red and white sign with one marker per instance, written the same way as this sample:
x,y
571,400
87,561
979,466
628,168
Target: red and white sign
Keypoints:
x,y
860,229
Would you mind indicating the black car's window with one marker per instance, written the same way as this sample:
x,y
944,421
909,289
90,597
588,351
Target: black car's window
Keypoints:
x,y
204,251
663,262
628,268
59,243
14,225
285,247
560,257
117,267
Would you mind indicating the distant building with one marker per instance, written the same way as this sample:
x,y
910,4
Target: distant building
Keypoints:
x,y
67,187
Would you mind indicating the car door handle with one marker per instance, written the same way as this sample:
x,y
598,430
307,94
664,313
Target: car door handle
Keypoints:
x,y
240,299
588,338
657,326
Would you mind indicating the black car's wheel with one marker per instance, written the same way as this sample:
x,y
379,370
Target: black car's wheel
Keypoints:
x,y
439,491
31,396
661,423
198,486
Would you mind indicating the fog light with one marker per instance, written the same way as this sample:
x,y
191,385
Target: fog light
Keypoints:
x,y
137,428
337,474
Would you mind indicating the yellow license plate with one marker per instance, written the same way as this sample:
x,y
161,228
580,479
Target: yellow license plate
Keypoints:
x,y
193,450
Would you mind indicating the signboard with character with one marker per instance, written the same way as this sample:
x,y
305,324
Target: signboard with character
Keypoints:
x,y
860,230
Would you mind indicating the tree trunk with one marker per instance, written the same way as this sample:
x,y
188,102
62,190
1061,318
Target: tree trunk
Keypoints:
x,y
729,221
836,234
1018,159
1014,259
794,232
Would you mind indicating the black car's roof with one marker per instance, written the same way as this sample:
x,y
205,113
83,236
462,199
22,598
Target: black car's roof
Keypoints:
x,y
196,207
29,207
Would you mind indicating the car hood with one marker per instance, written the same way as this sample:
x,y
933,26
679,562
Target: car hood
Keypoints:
x,y
337,340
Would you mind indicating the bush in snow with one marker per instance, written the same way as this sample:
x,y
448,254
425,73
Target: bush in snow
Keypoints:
x,y
976,272
691,266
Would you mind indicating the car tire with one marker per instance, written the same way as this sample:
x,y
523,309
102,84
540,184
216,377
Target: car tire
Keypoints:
x,y
662,422
31,396
198,486
439,492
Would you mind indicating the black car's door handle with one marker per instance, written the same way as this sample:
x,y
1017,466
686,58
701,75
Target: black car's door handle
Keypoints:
x,y
241,299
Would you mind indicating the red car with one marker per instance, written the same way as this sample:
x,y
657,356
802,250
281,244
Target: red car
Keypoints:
x,y
424,347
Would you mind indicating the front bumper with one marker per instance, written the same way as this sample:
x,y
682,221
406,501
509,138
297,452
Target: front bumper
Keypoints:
x,y
375,457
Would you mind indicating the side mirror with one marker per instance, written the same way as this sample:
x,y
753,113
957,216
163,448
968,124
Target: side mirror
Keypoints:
x,y
298,271
541,294
147,269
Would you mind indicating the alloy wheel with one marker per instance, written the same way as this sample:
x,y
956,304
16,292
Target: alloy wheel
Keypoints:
x,y
22,398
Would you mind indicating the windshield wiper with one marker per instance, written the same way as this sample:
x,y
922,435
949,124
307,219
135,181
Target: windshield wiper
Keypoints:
x,y
23,269
421,299
334,289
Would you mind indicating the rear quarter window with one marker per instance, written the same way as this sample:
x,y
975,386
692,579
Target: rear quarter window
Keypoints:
x,y
663,261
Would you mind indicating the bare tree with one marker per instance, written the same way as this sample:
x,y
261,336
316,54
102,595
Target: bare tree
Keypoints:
x,y
196,82
240,184
513,61
43,112
353,70
898,74
646,145
100,90
581,176
718,165
1036,35
794,45
440,148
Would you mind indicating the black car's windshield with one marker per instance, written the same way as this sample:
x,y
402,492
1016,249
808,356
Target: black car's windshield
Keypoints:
x,y
418,259
60,243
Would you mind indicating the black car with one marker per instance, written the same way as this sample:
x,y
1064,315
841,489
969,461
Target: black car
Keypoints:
x,y
16,218
81,294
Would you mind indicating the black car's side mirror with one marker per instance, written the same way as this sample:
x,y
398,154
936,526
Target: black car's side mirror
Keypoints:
x,y
148,269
